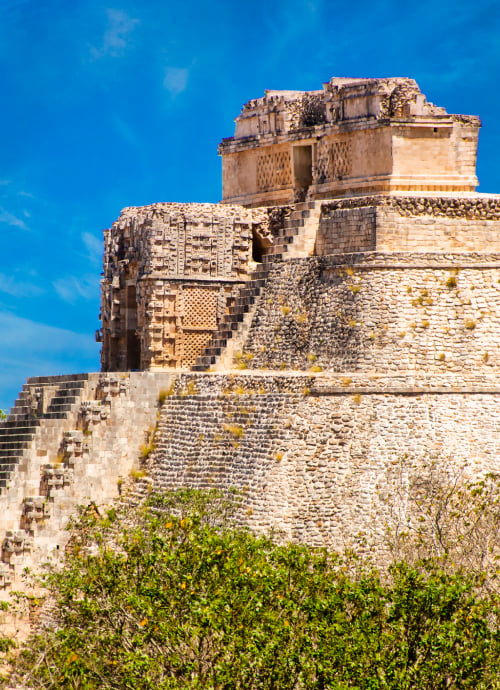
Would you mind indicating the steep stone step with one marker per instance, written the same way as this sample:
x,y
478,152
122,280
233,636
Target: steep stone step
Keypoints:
x,y
10,445
231,321
28,424
15,441
17,433
221,342
9,462
212,351
6,441
296,231
59,380
63,407
5,476
63,399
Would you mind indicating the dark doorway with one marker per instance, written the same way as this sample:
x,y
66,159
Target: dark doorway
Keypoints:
x,y
260,245
302,167
133,351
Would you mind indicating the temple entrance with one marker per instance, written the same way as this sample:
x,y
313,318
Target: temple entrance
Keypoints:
x,y
260,245
302,169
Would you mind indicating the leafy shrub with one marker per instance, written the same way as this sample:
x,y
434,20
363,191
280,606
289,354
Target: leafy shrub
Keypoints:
x,y
184,600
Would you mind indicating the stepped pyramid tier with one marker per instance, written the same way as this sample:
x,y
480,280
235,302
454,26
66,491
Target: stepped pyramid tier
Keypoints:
x,y
353,137
358,347
68,440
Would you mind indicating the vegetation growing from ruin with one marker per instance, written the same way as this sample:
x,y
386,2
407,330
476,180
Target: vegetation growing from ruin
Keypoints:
x,y
449,520
234,429
166,393
186,599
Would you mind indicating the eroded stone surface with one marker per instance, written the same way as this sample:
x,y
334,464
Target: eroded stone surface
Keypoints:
x,y
379,312
320,458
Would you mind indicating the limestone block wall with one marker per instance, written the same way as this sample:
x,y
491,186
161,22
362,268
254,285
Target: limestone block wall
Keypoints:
x,y
410,224
378,312
346,230
320,459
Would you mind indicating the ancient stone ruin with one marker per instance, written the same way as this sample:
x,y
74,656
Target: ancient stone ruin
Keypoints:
x,y
319,340
365,165
354,137
170,272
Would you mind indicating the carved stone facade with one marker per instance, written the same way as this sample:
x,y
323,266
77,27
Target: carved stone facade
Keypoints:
x,y
355,137
171,271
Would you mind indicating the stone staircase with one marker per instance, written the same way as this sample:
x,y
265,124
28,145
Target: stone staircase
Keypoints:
x,y
295,239
232,320
41,398
68,441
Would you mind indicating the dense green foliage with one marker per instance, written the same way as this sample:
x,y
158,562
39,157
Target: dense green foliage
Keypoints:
x,y
185,601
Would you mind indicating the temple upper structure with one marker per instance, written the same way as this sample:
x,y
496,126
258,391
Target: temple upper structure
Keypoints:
x,y
354,137
364,165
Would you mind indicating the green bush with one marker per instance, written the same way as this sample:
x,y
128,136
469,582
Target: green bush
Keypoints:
x,y
184,600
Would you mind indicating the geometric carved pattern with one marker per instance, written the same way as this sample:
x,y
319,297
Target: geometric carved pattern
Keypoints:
x,y
335,161
340,157
200,313
273,170
188,255
194,342
200,308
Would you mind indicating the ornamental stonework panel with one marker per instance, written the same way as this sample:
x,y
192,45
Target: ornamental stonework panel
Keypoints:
x,y
273,170
194,342
167,268
334,161
200,307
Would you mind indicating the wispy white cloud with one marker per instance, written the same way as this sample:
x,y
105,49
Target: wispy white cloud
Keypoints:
x,y
11,219
31,348
116,36
176,79
126,132
10,286
94,247
70,289
20,334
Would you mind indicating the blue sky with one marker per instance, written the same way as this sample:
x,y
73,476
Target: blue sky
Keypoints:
x,y
106,105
